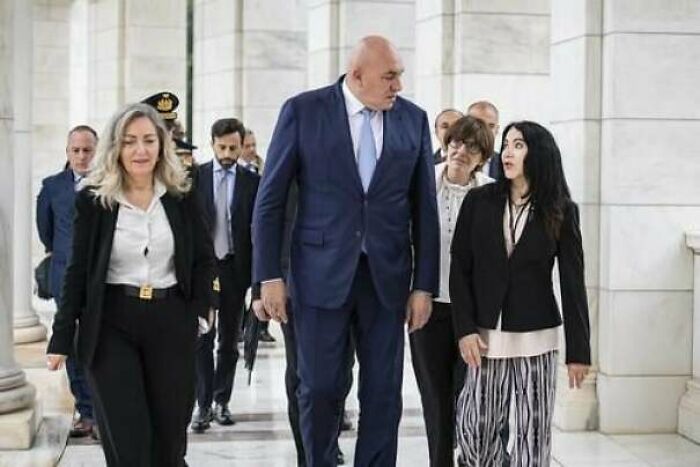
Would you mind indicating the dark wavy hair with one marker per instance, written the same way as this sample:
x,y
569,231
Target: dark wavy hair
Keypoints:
x,y
549,191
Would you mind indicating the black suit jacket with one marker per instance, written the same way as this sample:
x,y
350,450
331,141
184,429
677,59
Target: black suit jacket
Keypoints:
x,y
244,193
84,285
484,281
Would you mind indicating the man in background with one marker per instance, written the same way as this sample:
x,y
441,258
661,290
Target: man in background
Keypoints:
x,y
488,113
54,219
442,122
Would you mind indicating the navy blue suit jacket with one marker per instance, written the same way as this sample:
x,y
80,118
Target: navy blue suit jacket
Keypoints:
x,y
397,217
54,220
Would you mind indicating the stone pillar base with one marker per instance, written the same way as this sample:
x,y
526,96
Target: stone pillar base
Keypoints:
x,y
689,412
576,409
17,429
36,333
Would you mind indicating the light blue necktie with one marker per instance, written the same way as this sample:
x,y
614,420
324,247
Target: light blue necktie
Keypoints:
x,y
366,151
222,237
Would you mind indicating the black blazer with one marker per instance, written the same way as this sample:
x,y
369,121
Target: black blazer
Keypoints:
x,y
484,281
84,285
244,193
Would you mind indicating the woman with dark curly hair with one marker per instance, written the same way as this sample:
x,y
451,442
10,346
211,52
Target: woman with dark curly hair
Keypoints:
x,y
505,314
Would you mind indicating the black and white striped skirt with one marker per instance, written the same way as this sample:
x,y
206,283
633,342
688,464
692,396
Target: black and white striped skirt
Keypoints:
x,y
504,412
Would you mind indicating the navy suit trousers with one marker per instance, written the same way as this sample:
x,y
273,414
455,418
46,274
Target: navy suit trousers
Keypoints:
x,y
323,346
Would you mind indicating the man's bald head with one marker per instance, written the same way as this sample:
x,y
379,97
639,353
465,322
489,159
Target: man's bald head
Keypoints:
x,y
374,72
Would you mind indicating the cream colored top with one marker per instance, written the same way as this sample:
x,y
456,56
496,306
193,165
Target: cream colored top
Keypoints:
x,y
449,200
502,344
143,249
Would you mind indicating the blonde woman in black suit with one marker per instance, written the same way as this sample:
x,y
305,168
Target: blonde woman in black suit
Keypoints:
x,y
139,278
506,318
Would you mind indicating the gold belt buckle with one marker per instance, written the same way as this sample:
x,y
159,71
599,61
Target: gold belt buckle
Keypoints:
x,y
146,292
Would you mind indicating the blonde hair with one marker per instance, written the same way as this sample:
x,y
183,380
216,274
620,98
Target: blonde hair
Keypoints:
x,y
107,175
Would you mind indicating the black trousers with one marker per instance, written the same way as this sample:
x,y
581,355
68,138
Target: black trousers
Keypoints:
x,y
291,382
215,382
440,372
142,377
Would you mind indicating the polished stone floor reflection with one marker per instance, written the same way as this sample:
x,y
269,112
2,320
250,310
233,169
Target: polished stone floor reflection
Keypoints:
x,y
261,437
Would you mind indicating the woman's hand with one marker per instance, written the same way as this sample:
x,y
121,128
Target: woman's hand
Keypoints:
x,y
55,362
470,347
577,372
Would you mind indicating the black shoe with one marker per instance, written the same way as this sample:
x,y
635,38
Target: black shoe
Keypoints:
x,y
340,457
222,415
202,420
81,428
345,423
265,336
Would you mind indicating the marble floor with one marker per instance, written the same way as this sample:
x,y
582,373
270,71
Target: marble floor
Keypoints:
x,y
261,437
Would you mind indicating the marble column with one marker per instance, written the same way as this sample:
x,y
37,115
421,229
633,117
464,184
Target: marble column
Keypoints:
x,y
249,57
135,49
217,64
649,196
435,56
501,54
475,50
27,327
18,419
335,26
575,59
689,408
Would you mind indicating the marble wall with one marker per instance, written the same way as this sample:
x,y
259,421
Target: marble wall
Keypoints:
x,y
335,26
575,57
248,58
493,50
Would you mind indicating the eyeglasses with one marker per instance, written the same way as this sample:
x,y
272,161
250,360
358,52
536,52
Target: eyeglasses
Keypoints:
x,y
469,146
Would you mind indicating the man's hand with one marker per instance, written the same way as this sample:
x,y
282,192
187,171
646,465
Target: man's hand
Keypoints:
x,y
55,362
274,299
577,372
259,310
418,310
470,347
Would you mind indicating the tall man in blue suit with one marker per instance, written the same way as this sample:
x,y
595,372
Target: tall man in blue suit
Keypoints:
x,y
364,250
54,218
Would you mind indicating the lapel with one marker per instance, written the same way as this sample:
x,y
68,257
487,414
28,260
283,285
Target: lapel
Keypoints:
x,y
498,203
206,181
68,184
528,239
108,223
239,189
177,226
392,124
340,126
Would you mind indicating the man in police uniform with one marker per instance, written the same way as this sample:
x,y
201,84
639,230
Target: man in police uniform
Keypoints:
x,y
165,103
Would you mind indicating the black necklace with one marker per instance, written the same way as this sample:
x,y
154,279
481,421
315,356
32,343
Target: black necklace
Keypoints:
x,y
515,218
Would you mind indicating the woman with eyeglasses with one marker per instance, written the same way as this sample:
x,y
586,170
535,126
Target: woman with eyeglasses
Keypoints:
x,y
436,362
505,314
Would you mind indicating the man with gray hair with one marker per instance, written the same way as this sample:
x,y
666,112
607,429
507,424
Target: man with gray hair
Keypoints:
x,y
488,113
54,220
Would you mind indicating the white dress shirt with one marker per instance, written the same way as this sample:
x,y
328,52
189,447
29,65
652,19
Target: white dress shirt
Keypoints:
x,y
354,108
449,200
143,249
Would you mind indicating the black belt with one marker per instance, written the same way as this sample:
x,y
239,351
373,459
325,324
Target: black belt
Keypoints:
x,y
146,292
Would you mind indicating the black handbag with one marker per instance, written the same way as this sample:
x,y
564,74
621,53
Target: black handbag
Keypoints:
x,y
42,278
